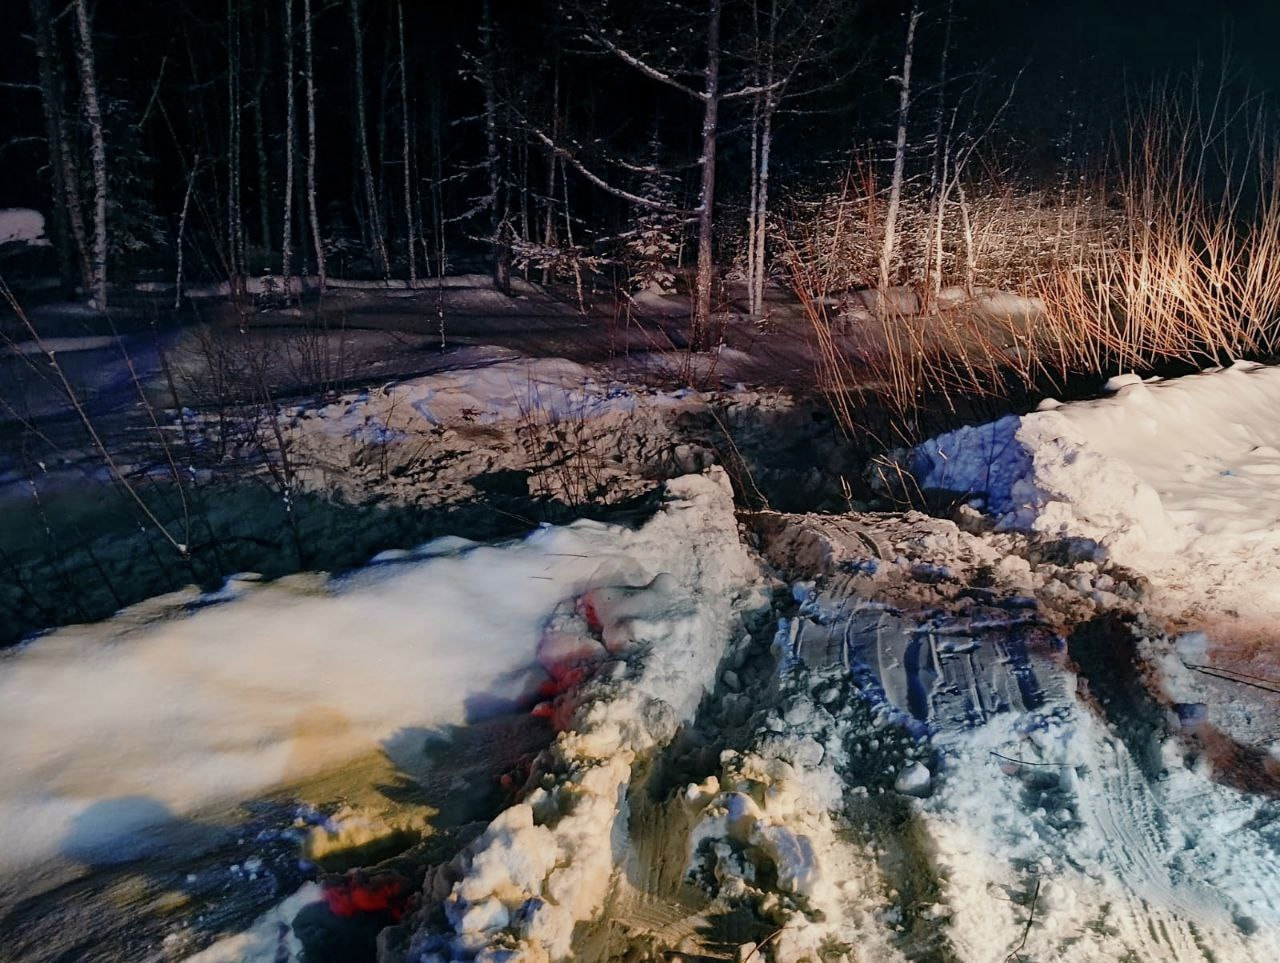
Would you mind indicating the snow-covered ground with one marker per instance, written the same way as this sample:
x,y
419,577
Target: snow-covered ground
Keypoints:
x,y
1175,479
189,699
926,742
21,225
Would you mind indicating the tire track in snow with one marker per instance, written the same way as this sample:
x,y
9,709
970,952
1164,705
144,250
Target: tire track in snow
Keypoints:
x,y
1124,818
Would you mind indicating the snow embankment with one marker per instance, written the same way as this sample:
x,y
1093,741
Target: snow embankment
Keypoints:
x,y
21,225
546,390
1165,477
654,640
117,729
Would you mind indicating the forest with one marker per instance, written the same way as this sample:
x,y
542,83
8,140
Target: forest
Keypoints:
x,y
590,142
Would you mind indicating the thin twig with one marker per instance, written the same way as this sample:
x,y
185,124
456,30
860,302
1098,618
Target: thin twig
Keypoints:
x,y
1031,917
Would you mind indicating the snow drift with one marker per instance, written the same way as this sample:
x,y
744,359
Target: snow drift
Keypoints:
x,y
1160,476
115,728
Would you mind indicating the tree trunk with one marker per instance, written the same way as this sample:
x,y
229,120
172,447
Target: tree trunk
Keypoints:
x,y
970,255
182,231
260,143
408,190
286,242
498,240
98,154
700,337
753,206
309,71
765,103
69,232
235,225
437,180
378,244
549,223
899,162
761,226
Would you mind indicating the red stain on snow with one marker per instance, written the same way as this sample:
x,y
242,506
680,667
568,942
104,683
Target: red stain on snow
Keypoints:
x,y
359,892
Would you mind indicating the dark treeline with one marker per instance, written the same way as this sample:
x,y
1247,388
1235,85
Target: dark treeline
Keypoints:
x,y
399,139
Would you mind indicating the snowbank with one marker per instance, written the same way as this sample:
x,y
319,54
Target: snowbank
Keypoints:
x,y
541,390
1044,828
21,225
546,863
1160,475
115,728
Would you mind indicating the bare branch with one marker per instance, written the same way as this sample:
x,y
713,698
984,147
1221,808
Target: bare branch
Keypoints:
x,y
564,154
653,73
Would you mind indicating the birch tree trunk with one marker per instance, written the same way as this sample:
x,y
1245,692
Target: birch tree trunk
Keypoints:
x,y
235,225
753,205
408,188
761,227
98,155
286,241
309,71
182,231
549,223
441,258
260,141
497,239
701,333
73,249
899,162
760,183
939,191
376,239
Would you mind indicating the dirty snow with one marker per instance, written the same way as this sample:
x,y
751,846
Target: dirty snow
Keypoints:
x,y
113,728
546,864
1049,825
931,743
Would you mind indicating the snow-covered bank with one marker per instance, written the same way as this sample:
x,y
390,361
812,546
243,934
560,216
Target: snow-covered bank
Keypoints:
x,y
111,729
1176,479
650,642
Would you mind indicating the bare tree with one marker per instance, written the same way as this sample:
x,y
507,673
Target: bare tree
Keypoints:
x,y
499,236
73,246
260,136
408,173
309,73
709,95
899,158
291,110
773,62
372,212
710,129
98,156
235,224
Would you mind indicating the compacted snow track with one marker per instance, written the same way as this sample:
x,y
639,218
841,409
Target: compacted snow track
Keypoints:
x,y
1036,809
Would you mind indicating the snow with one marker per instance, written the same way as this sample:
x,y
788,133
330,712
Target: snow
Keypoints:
x,y
1174,478
546,864
495,388
21,225
269,940
115,728
905,757
1115,844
